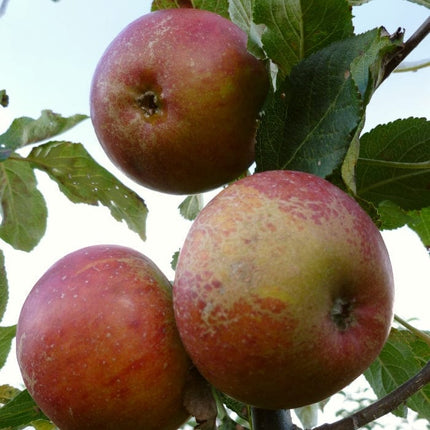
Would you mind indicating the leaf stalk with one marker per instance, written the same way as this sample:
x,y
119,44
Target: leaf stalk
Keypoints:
x,y
420,334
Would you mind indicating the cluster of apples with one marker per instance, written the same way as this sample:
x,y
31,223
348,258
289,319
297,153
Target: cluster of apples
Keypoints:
x,y
283,291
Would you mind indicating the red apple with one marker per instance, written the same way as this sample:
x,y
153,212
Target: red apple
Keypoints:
x,y
97,343
283,291
175,100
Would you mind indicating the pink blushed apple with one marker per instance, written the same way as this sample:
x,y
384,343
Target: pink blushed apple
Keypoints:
x,y
283,292
175,100
97,343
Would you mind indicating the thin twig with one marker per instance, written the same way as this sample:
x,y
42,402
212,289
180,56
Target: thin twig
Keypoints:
x,y
404,50
383,406
412,67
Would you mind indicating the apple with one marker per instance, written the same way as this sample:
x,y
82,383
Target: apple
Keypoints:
x,y
97,344
283,292
175,100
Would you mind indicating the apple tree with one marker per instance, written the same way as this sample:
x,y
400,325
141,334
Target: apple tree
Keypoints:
x,y
322,78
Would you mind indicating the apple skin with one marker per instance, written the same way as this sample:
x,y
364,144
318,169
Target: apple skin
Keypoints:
x,y
175,100
283,292
97,343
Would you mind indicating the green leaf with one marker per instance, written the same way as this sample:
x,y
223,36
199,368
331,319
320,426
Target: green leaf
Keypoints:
x,y
309,122
425,3
24,131
23,207
7,334
357,2
174,261
191,206
169,4
4,289
394,164
315,116
392,216
241,13
402,357
227,423
7,393
420,223
308,415
347,170
21,410
82,180
368,67
43,424
296,29
218,6
4,98
234,405
366,71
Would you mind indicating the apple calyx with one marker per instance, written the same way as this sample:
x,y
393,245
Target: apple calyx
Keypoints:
x,y
342,313
149,102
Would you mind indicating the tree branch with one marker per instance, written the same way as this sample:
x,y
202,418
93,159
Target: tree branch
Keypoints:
x,y
280,419
383,406
407,48
412,66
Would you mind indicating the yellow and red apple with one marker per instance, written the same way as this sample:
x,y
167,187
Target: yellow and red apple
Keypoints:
x,y
283,291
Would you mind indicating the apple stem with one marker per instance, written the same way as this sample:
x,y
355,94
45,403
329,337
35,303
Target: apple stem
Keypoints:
x,y
264,419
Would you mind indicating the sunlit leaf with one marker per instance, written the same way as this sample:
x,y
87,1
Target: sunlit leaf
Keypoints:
x,y
191,206
23,207
43,424
7,393
24,131
21,410
308,415
83,180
